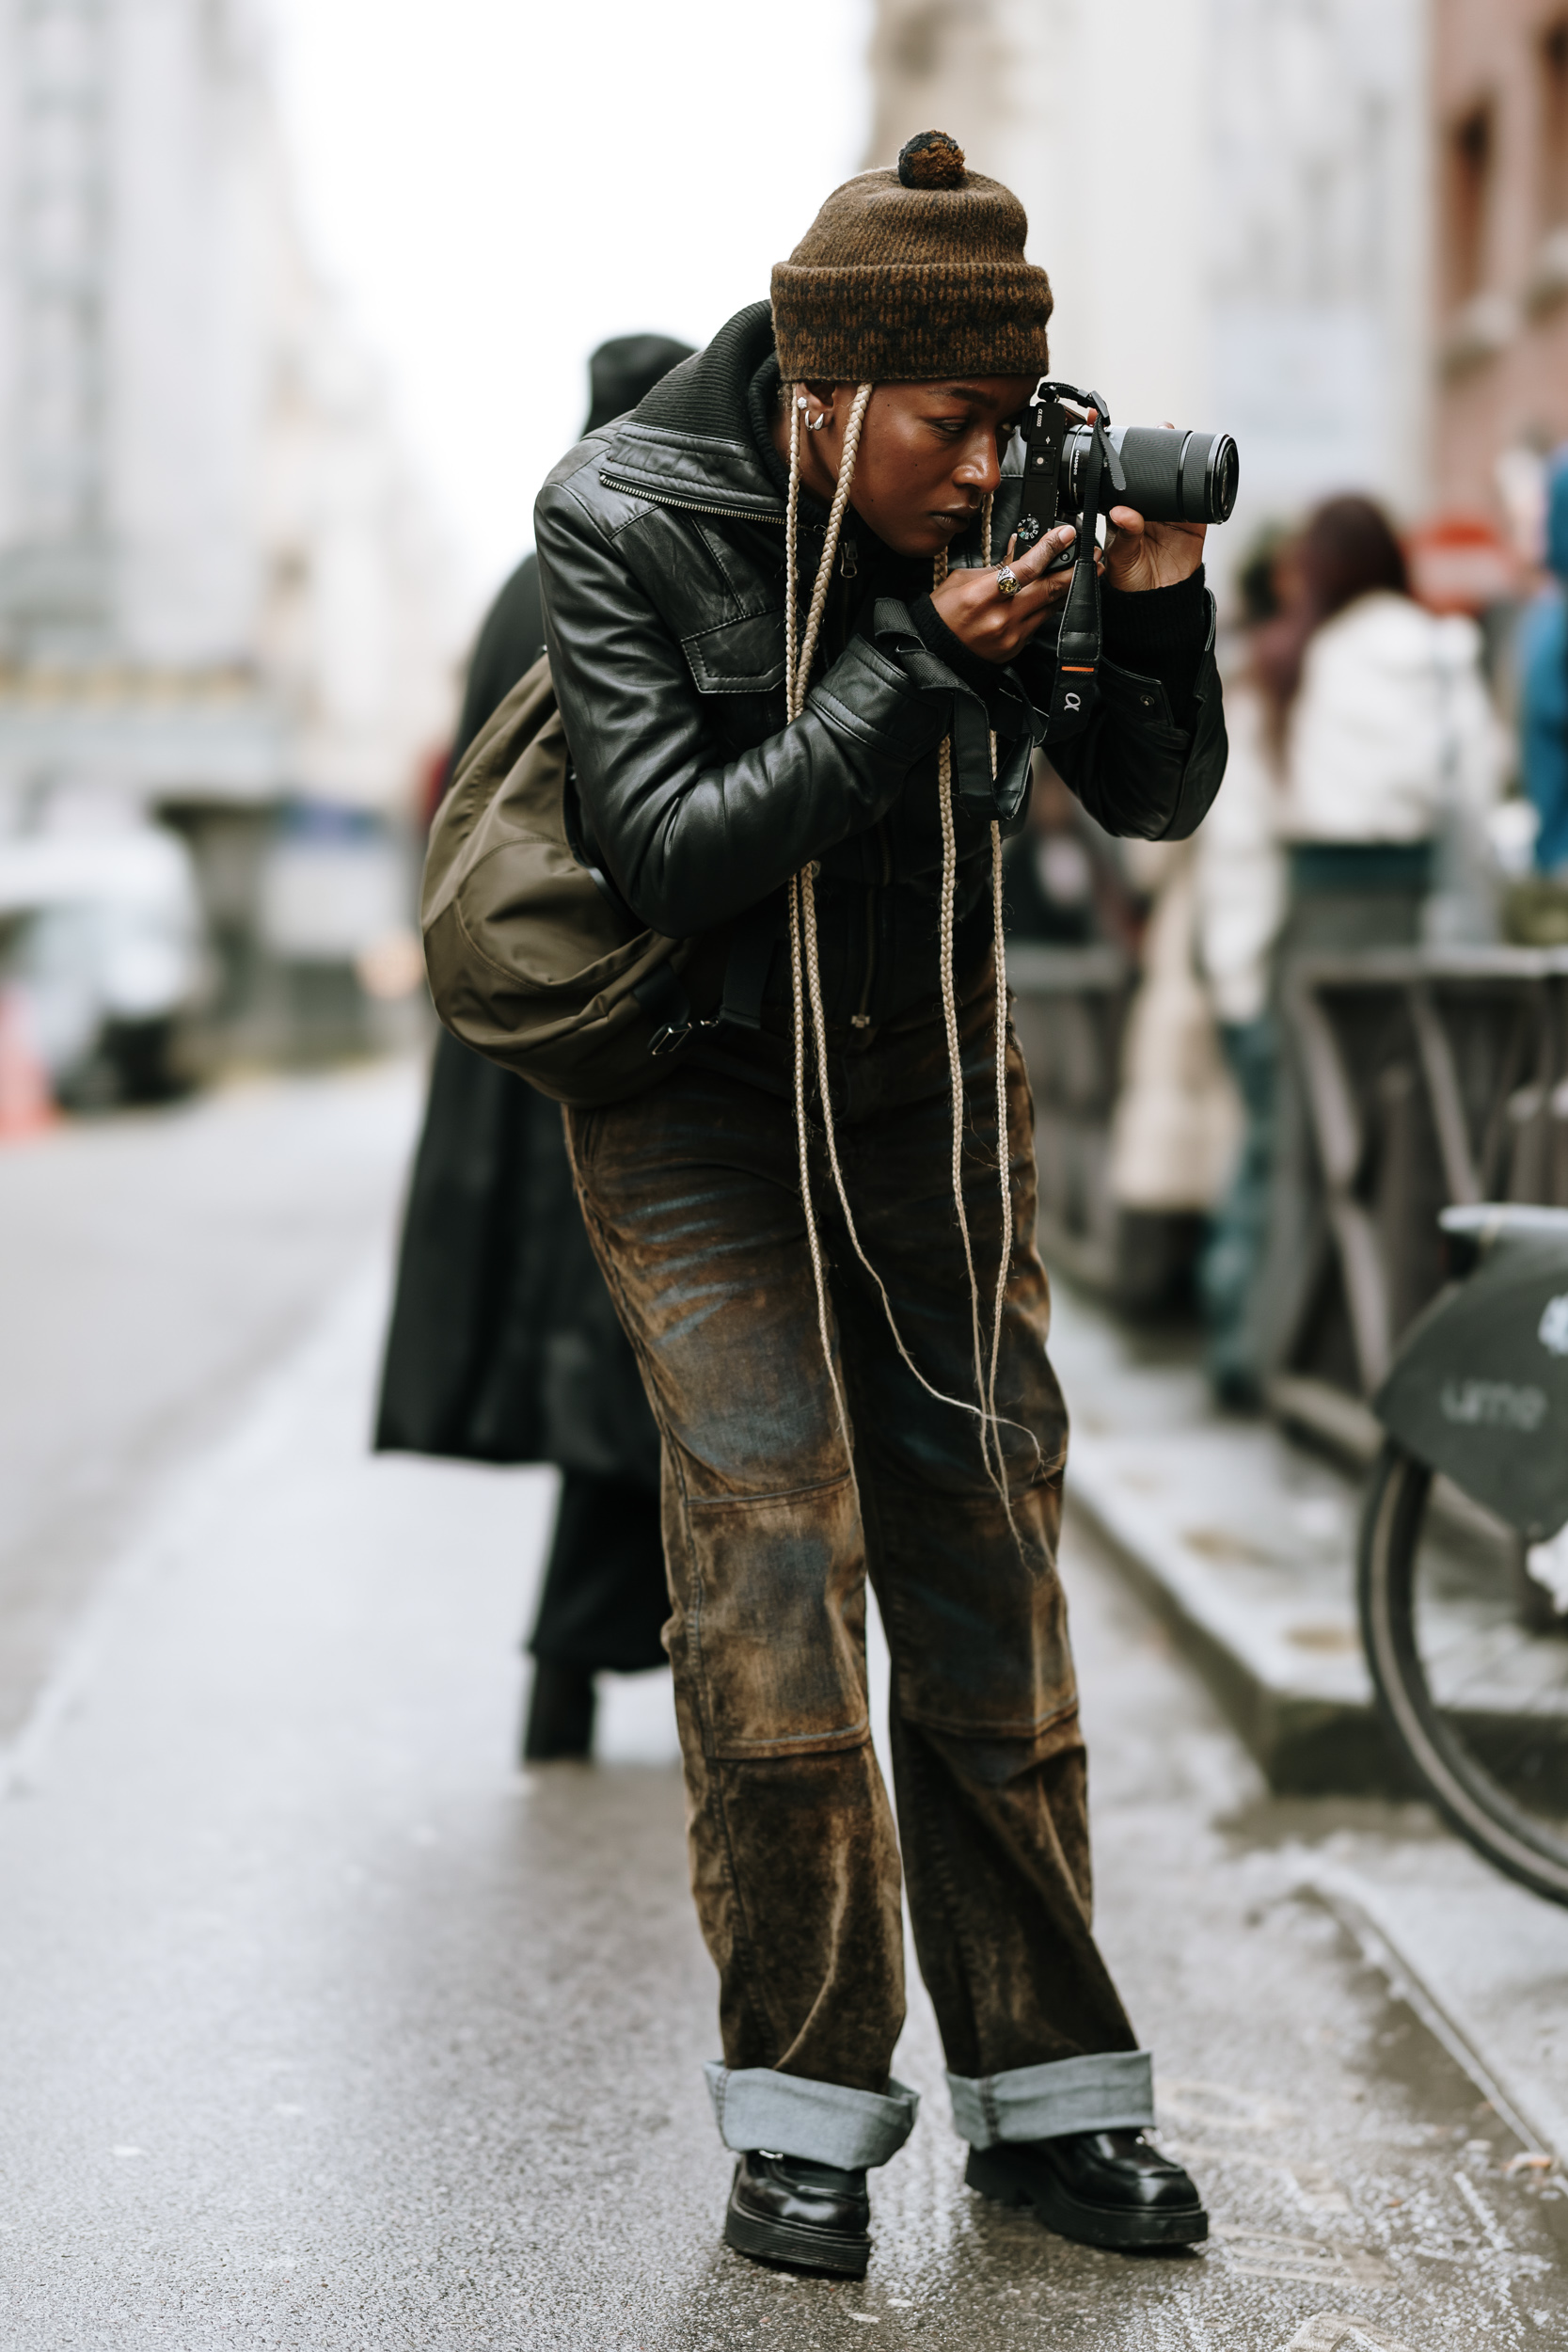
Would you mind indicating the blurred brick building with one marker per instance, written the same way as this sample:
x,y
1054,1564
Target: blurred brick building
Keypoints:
x,y
1500,99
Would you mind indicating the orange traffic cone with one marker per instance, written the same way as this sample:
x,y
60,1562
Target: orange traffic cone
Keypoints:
x,y
26,1104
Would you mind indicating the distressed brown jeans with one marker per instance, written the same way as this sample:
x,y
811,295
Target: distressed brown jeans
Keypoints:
x,y
692,1194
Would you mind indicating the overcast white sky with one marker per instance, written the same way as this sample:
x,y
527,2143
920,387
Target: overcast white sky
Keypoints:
x,y
497,185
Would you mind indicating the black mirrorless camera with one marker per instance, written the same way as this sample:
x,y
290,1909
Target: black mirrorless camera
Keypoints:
x,y
1166,475
1077,468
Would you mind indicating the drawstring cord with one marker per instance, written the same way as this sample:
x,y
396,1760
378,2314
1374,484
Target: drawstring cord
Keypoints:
x,y
805,983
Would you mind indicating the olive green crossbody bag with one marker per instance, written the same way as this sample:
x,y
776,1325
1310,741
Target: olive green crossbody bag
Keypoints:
x,y
534,960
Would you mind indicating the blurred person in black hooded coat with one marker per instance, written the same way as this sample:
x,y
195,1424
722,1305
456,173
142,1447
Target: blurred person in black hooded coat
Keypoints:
x,y
504,1345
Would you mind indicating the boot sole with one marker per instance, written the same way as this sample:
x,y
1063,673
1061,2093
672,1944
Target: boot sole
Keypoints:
x,y
988,2171
795,2244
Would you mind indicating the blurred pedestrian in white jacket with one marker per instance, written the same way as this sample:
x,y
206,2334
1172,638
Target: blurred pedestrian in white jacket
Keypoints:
x,y
1387,759
1389,754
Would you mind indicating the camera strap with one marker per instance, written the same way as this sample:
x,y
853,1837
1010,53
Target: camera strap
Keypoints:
x,y
1044,431
1078,641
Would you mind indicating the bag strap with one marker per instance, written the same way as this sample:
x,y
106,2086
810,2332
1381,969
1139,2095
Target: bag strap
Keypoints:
x,y
668,1007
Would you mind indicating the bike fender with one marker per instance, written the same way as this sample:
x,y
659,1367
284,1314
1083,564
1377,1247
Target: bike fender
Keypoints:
x,y
1480,1388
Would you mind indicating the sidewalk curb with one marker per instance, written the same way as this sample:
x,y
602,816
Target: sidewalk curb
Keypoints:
x,y
1307,1742
1355,1903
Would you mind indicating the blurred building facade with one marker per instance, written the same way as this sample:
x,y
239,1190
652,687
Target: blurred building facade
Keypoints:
x,y
1231,198
220,593
1501,101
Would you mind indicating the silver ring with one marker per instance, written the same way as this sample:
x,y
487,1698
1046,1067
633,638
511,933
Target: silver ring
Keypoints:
x,y
1008,581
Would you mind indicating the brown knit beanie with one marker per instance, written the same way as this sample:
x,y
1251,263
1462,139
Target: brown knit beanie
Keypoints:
x,y
912,274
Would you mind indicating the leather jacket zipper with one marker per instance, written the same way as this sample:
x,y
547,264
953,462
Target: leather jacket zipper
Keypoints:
x,y
689,506
862,1019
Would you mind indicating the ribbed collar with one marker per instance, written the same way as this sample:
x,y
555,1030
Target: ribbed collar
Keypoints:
x,y
762,404
691,441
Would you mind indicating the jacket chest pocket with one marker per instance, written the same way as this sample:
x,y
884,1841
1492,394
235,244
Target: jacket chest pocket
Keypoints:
x,y
740,658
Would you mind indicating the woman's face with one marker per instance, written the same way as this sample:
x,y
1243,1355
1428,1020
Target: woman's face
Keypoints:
x,y
928,454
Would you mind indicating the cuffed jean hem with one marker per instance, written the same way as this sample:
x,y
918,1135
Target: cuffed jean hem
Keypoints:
x,y
828,2123
1110,2091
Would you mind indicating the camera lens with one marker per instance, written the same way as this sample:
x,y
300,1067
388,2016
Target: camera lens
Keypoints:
x,y
1172,477
1211,470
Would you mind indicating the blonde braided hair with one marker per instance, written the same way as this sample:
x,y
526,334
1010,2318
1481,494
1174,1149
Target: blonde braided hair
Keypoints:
x,y
805,981
1004,1145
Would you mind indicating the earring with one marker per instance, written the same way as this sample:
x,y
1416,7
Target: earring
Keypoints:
x,y
815,425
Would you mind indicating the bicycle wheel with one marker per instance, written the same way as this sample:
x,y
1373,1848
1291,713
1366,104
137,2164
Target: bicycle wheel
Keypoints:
x,y
1470,1662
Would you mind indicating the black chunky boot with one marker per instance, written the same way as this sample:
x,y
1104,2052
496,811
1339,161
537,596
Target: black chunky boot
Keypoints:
x,y
559,1714
1103,2189
812,2216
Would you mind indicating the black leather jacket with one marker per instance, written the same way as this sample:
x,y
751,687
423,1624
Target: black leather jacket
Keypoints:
x,y
661,551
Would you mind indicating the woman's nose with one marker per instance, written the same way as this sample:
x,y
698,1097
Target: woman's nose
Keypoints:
x,y
979,469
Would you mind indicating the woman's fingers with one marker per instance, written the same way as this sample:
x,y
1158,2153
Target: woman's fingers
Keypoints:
x,y
1152,555
1043,598
1134,526
1047,547
996,627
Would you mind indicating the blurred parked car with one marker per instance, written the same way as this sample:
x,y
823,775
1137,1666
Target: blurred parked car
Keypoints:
x,y
102,940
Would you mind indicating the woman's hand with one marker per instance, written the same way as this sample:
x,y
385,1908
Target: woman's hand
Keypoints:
x,y
996,627
1140,554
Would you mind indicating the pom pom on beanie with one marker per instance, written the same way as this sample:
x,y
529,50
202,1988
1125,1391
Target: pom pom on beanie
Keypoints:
x,y
931,160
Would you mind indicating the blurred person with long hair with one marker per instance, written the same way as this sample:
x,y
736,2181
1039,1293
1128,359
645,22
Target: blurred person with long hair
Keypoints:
x,y
503,1345
1388,757
1380,720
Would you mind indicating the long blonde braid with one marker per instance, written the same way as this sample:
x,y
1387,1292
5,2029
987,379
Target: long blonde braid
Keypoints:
x,y
802,904
805,981
955,1062
1004,1141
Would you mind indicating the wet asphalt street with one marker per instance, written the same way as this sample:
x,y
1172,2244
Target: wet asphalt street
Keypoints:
x,y
325,2026
152,1266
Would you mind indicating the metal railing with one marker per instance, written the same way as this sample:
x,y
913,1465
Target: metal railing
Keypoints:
x,y
1426,1078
